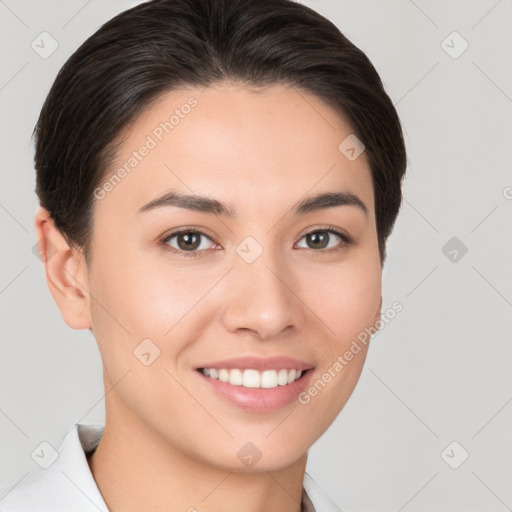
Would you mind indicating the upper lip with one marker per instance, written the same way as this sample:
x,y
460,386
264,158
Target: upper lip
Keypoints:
x,y
259,363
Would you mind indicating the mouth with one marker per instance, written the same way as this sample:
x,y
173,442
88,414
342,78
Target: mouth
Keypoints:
x,y
252,378
257,391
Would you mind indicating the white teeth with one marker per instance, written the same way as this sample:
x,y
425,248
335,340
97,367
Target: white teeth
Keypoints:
x,y
253,378
282,377
269,379
235,377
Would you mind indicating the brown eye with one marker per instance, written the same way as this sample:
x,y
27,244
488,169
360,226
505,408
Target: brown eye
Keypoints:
x,y
318,239
187,241
322,239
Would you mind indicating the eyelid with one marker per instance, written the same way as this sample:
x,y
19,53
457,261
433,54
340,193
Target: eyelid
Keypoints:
x,y
188,229
333,229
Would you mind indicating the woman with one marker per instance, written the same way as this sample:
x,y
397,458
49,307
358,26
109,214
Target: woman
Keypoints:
x,y
217,181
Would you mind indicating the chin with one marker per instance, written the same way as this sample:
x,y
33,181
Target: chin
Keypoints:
x,y
256,456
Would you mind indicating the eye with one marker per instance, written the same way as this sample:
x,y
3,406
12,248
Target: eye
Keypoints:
x,y
320,239
187,241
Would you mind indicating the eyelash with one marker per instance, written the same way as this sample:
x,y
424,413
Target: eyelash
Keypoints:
x,y
186,254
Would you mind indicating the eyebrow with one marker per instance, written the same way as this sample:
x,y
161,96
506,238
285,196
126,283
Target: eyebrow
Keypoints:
x,y
213,206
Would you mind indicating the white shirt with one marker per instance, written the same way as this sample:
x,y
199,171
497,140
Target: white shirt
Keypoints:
x,y
67,484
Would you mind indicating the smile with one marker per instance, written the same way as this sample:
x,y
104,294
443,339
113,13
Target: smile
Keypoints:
x,y
254,390
251,378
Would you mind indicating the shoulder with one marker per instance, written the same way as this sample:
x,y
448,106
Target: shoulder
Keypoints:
x,y
66,484
32,493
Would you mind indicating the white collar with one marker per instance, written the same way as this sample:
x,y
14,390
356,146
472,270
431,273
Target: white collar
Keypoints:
x,y
68,484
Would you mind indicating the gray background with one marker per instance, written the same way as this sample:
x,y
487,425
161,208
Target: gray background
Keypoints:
x,y
439,372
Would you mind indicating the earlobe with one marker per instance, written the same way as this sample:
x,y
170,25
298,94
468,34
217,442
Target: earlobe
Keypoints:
x,y
66,272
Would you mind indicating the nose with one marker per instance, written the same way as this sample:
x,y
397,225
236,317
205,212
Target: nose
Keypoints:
x,y
263,298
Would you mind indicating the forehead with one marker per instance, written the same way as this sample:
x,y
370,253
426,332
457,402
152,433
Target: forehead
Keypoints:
x,y
244,145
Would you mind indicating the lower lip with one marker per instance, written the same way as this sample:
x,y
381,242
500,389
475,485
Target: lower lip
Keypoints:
x,y
259,399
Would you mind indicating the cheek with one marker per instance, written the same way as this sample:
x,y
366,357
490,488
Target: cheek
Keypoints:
x,y
139,291
159,301
144,299
346,299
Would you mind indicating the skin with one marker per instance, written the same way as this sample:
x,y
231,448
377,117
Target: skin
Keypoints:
x,y
166,431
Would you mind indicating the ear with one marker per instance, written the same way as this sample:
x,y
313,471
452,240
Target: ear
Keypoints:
x,y
66,273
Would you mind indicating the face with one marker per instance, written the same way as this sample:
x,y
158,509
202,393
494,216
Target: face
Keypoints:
x,y
256,283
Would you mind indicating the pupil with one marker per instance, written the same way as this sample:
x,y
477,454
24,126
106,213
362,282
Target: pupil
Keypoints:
x,y
190,240
315,237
